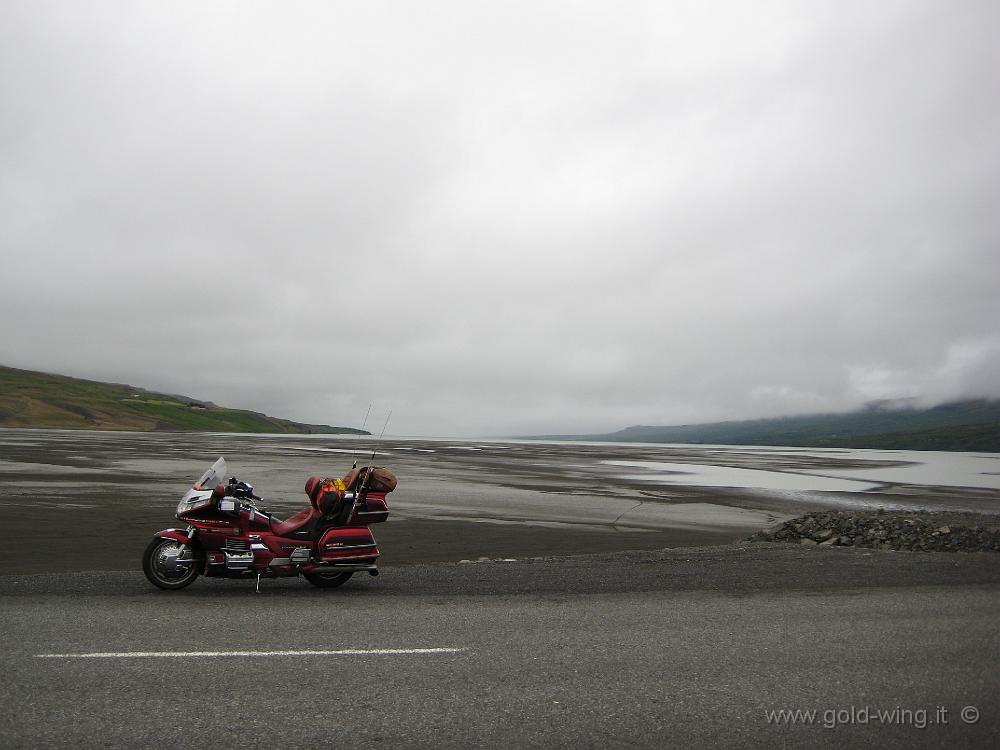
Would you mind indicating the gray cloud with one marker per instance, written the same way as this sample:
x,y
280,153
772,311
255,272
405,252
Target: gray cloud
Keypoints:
x,y
504,218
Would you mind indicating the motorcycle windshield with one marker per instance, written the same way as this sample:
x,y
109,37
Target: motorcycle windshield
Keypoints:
x,y
200,493
216,474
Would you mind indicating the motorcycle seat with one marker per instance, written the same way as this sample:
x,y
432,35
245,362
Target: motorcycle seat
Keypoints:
x,y
326,503
302,522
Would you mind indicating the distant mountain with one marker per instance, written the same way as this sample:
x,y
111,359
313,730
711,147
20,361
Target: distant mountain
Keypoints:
x,y
38,399
961,426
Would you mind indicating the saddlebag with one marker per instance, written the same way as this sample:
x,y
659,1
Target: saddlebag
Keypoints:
x,y
372,509
348,545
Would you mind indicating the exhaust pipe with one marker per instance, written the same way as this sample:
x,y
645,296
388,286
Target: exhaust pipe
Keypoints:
x,y
327,567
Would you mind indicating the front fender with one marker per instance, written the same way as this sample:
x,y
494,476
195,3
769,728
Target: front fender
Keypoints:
x,y
178,535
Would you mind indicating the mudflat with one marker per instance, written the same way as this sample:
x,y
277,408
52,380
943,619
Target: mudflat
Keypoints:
x,y
78,501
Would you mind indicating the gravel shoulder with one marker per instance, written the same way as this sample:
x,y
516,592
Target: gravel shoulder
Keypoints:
x,y
740,568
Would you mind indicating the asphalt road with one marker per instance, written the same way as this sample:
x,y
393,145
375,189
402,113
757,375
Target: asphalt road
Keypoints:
x,y
685,647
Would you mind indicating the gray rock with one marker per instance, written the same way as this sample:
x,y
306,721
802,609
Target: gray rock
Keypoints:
x,y
883,529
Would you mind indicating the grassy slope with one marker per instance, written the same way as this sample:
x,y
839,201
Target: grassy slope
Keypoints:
x,y
36,399
974,437
966,425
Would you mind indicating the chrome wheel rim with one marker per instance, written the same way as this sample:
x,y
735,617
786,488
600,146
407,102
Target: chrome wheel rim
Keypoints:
x,y
172,562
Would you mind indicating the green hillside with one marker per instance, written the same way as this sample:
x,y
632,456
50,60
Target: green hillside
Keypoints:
x,y
972,425
37,399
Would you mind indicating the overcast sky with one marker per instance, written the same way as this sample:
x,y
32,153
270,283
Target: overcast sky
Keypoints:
x,y
504,218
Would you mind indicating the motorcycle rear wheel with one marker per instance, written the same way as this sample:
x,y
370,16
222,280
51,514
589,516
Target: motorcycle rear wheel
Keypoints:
x,y
159,563
327,580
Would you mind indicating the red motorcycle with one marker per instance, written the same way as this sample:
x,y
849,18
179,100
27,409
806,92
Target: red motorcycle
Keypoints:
x,y
228,536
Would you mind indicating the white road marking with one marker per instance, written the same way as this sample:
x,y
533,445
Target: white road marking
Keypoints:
x,y
190,654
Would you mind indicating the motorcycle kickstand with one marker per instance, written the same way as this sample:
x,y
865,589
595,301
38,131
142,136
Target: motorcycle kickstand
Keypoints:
x,y
258,583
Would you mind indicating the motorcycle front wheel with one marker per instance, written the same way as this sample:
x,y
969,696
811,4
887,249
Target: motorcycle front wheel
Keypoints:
x,y
169,564
327,580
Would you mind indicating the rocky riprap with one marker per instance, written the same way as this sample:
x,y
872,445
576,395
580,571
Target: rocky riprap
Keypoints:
x,y
931,532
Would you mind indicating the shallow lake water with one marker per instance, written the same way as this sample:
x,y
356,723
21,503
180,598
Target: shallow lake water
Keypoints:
x,y
622,485
909,468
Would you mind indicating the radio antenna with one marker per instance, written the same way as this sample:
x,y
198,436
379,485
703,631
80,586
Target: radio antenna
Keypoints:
x,y
368,472
354,458
375,449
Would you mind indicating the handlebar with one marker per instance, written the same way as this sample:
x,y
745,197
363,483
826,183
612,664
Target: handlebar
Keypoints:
x,y
240,489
